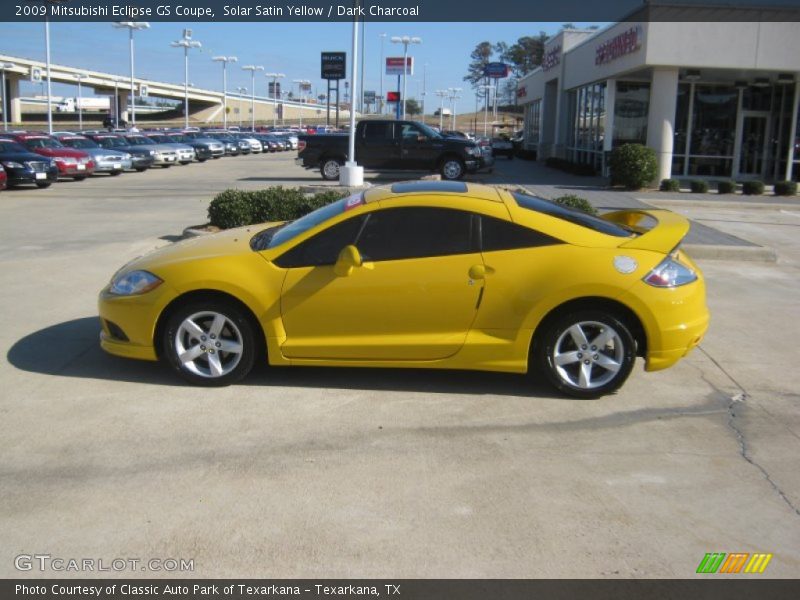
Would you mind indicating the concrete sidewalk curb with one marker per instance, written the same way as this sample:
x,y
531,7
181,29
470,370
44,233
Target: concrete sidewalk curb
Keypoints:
x,y
672,204
740,253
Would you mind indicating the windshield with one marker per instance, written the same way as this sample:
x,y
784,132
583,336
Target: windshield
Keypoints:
x,y
273,237
42,143
572,215
9,146
429,131
140,141
76,143
111,142
177,139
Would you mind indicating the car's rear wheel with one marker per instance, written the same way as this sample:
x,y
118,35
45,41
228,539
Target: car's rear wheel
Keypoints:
x,y
210,343
41,185
586,354
330,169
115,173
79,177
141,169
452,168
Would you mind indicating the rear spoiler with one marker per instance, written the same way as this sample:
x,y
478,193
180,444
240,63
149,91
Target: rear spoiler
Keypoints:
x,y
659,230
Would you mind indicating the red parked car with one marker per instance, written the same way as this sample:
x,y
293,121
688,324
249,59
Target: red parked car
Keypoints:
x,y
3,178
70,162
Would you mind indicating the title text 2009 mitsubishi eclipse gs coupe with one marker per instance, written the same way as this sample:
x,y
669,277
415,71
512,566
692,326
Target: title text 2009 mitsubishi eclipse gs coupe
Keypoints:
x,y
423,275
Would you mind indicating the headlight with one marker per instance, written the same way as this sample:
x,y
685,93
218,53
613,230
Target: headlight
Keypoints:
x,y
152,152
474,151
13,165
670,273
134,283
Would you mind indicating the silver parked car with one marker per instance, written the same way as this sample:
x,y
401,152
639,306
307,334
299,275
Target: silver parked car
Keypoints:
x,y
186,153
106,160
165,155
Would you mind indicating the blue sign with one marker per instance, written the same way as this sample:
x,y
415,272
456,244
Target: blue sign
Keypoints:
x,y
496,70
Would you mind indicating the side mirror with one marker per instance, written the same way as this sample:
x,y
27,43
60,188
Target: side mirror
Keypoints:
x,y
349,258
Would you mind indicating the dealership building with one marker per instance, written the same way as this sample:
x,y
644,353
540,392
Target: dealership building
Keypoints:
x,y
712,99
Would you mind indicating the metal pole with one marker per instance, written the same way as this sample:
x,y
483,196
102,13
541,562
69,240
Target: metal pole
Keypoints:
x,y
486,112
275,102
49,89
5,103
405,77
363,54
382,72
80,104
351,138
424,93
225,94
116,104
186,87
253,100
793,133
133,89
328,107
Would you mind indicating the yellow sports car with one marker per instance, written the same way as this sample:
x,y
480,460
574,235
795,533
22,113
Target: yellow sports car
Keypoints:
x,y
423,274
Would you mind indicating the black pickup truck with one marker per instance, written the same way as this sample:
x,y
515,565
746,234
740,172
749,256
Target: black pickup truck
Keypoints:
x,y
393,145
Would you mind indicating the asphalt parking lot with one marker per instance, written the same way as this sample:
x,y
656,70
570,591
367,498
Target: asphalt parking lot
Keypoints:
x,y
380,473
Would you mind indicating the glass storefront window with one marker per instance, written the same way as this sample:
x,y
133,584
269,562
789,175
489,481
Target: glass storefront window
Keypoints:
x,y
533,122
630,113
681,122
587,118
714,120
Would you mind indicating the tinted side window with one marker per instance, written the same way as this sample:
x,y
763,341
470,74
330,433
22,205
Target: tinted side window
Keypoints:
x,y
323,248
375,132
497,234
399,233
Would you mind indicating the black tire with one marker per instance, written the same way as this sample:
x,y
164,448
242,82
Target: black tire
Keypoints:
x,y
452,168
41,185
141,169
330,168
115,173
165,166
557,338
79,177
202,160
202,313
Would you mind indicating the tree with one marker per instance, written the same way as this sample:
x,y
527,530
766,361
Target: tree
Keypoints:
x,y
413,107
479,58
525,55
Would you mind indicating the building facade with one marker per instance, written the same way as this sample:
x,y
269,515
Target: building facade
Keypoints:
x,y
714,100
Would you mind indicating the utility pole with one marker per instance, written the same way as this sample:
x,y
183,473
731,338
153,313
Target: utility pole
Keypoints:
x,y
186,42
225,60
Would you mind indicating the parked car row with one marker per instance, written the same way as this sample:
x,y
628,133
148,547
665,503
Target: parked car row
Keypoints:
x,y
40,159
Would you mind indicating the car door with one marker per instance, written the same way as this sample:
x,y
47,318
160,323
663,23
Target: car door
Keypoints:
x,y
413,298
378,146
417,150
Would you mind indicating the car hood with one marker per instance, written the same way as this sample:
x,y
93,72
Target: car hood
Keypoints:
x,y
19,156
61,152
103,153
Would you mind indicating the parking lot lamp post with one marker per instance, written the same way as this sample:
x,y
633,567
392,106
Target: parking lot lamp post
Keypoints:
x,y
80,77
274,77
3,68
225,60
382,72
116,103
424,91
132,26
405,40
300,83
486,89
442,95
252,69
453,97
242,91
187,43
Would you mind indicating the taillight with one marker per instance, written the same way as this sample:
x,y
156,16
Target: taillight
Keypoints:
x,y
301,145
670,273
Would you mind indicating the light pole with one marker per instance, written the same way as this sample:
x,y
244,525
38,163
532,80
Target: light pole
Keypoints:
x,y
382,71
405,40
300,84
80,77
274,77
132,26
225,60
453,97
186,42
252,69
242,91
424,92
3,68
442,95
116,103
352,174
486,89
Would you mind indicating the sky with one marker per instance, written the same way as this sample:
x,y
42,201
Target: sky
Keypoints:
x,y
289,48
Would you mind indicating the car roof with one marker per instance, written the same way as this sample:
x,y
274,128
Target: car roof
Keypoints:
x,y
440,188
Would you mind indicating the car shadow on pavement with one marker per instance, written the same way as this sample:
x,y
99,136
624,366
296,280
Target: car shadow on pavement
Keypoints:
x,y
72,349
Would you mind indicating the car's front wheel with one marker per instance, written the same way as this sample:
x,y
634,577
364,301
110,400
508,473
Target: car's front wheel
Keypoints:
x,y
330,169
586,354
210,343
42,185
452,168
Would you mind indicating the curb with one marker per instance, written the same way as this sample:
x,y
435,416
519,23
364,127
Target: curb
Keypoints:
x,y
740,253
667,203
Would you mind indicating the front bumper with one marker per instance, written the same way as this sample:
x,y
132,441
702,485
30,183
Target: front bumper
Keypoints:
x,y
185,156
166,159
129,322
139,162
21,176
202,153
110,166
75,170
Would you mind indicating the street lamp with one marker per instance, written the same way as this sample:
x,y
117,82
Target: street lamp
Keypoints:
x,y
116,103
274,77
303,82
442,95
405,40
453,97
186,42
47,58
252,69
80,77
225,60
382,70
242,91
424,91
487,94
132,26
3,68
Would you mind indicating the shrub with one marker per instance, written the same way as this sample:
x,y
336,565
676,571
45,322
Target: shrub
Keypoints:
x,y
670,185
726,186
785,188
753,188
236,208
698,186
576,202
633,166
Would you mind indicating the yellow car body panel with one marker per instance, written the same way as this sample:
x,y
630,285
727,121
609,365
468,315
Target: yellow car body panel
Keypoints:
x,y
468,311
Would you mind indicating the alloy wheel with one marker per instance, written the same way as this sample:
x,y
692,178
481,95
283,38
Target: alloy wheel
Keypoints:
x,y
209,344
588,354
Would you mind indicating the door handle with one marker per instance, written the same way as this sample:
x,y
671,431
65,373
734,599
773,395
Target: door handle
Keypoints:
x,y
477,272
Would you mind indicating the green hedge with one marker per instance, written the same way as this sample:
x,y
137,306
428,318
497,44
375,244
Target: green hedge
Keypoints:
x,y
633,166
752,188
785,188
698,186
576,202
726,186
670,185
236,208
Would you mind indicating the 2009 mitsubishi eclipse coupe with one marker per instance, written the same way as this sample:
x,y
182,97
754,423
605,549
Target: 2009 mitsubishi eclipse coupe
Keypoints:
x,y
423,275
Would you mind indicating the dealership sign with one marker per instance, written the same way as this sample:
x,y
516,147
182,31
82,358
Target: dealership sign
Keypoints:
x,y
334,65
626,42
495,70
551,58
394,65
